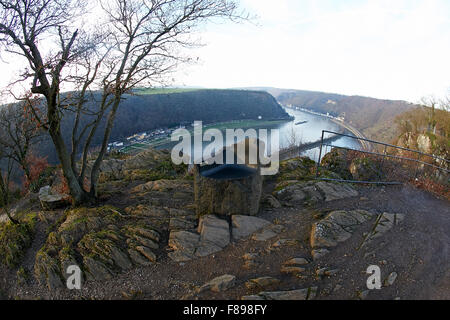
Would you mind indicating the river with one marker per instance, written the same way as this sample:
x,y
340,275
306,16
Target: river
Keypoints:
x,y
309,131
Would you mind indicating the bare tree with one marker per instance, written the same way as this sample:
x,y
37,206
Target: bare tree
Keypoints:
x,y
137,44
429,104
19,132
5,180
445,103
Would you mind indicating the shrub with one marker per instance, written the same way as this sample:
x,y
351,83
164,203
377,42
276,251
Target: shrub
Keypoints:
x,y
39,173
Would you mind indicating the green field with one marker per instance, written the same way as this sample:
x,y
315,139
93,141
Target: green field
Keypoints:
x,y
241,124
135,147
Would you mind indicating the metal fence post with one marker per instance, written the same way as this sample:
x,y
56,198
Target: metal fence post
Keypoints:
x,y
417,167
382,161
320,154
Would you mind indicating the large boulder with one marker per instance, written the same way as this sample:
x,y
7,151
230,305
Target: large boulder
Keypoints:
x,y
227,197
230,189
51,200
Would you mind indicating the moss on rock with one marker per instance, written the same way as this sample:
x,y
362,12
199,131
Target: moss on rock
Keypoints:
x,y
301,168
15,239
336,162
99,241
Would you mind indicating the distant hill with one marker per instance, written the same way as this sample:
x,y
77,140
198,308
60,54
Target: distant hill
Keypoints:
x,y
375,118
150,109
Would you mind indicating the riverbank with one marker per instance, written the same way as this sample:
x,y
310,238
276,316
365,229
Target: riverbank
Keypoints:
x,y
366,146
232,125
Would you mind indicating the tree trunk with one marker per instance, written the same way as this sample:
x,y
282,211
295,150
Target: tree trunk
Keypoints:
x,y
79,195
101,155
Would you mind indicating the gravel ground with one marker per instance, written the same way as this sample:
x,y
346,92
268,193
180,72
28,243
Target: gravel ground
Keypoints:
x,y
417,250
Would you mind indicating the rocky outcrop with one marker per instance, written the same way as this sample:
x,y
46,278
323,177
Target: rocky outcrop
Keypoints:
x,y
147,159
366,169
100,242
337,227
297,193
337,162
111,169
162,186
132,168
301,168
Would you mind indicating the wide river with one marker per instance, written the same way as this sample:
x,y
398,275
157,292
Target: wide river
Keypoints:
x,y
292,132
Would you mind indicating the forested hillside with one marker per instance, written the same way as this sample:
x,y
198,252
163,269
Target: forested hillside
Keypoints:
x,y
144,112
375,118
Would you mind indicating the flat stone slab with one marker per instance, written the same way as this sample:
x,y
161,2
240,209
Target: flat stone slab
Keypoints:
x,y
50,200
214,230
245,226
337,227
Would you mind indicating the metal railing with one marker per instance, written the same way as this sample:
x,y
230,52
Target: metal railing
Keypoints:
x,y
391,168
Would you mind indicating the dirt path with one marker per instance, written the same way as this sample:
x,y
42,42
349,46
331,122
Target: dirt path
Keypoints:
x,y
417,250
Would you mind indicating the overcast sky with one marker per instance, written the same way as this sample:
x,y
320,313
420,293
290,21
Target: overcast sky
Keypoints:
x,y
393,49
385,49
